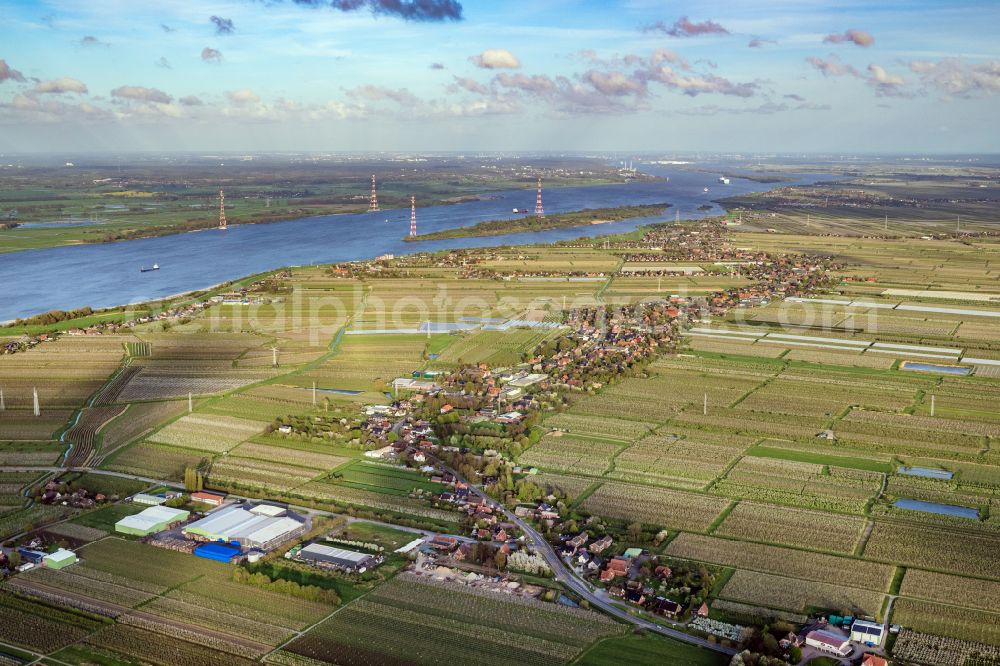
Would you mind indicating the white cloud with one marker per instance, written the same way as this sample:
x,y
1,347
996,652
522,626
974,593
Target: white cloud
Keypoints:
x,y
958,78
141,94
496,59
63,85
242,96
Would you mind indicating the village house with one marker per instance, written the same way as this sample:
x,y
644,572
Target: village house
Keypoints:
x,y
618,566
874,660
829,642
666,607
601,544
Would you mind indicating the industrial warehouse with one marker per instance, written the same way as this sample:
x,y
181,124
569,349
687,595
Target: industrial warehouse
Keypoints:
x,y
261,527
150,521
335,558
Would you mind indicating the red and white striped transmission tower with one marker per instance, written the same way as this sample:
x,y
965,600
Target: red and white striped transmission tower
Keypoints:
x,y
539,211
373,202
222,209
413,216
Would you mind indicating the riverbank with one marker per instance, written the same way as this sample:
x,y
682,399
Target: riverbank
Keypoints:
x,y
144,215
531,222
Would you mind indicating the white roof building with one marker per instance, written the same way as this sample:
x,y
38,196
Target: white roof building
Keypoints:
x,y
153,519
867,632
347,559
152,500
528,380
60,558
269,510
262,526
827,641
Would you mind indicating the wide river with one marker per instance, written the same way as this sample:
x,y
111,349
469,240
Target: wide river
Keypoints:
x,y
106,275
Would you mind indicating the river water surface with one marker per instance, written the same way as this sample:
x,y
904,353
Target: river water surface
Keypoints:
x,y
105,275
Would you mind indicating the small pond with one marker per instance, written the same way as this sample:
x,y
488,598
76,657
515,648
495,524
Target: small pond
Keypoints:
x,y
940,509
934,367
926,472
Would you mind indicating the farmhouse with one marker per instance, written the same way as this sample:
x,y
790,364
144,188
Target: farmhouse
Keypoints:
x,y
667,607
874,660
339,558
263,526
150,521
829,642
867,633
618,566
211,499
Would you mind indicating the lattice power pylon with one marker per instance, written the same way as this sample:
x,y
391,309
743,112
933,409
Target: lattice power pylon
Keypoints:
x,y
222,209
373,201
539,210
413,216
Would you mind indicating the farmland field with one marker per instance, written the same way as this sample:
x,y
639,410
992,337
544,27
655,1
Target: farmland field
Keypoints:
x,y
792,527
782,561
947,620
567,453
213,434
174,609
801,484
647,651
146,458
434,622
655,506
138,420
927,547
38,627
606,427
954,590
799,596
672,461
934,650
497,348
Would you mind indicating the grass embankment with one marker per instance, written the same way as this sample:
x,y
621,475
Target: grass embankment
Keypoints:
x,y
557,221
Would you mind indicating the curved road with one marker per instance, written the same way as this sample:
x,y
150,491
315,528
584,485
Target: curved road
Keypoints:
x,y
565,575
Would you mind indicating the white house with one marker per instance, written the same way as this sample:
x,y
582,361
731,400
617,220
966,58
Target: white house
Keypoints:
x,y
829,642
867,633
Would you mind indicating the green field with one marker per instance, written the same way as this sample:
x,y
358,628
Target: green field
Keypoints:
x,y
378,534
106,517
648,651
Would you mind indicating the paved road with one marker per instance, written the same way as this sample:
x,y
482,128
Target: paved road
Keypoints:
x,y
90,470
565,575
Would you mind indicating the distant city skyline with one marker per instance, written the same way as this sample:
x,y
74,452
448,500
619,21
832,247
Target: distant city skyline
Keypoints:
x,y
398,75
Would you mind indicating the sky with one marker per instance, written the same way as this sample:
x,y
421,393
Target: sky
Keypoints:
x,y
913,77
